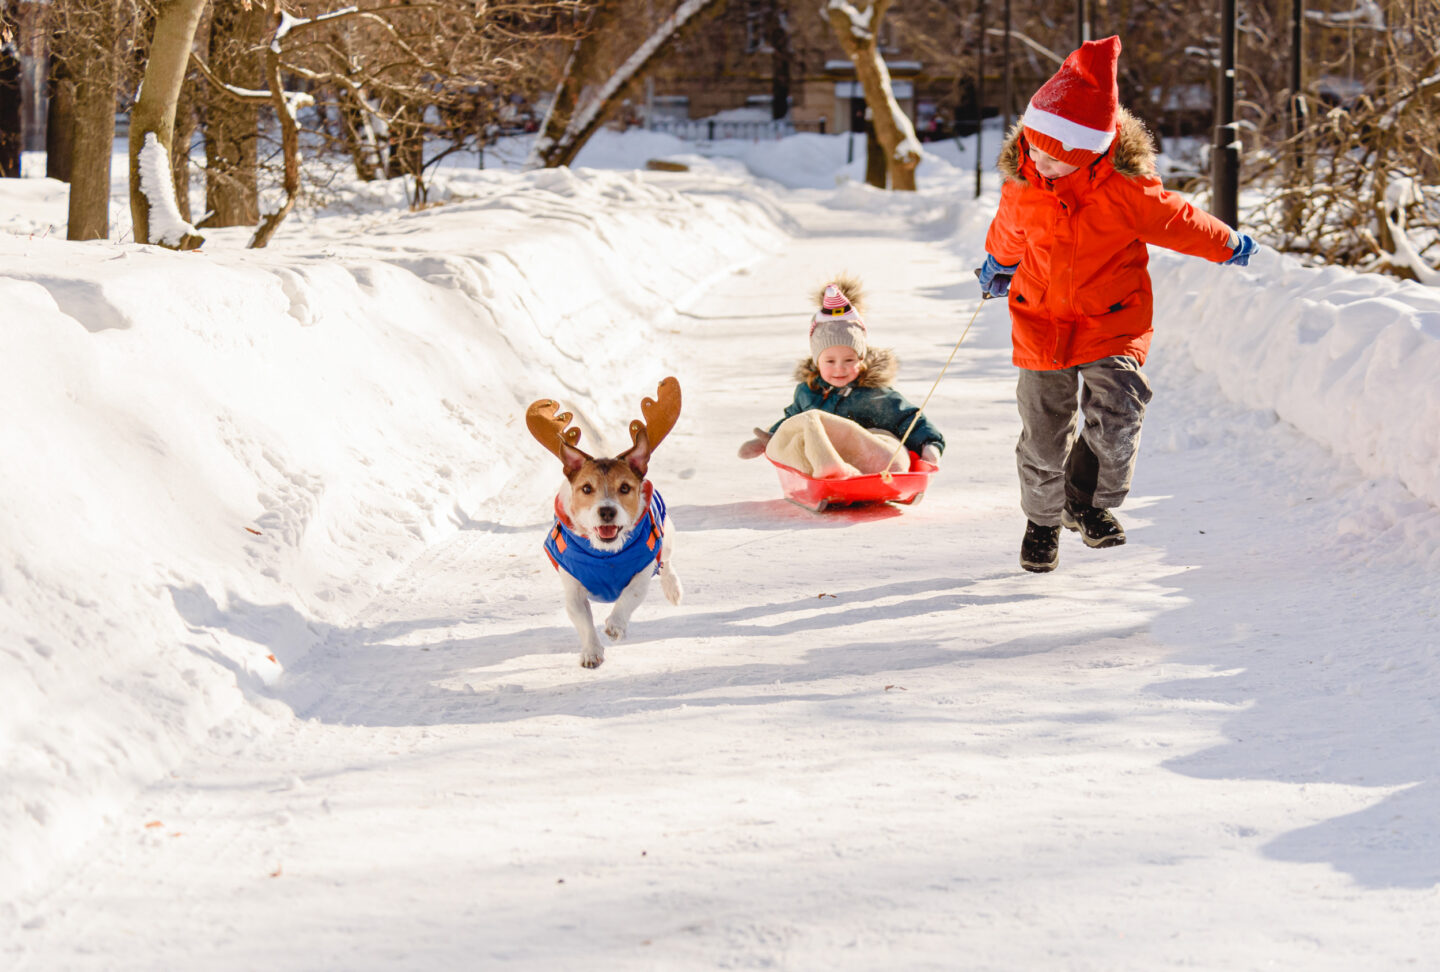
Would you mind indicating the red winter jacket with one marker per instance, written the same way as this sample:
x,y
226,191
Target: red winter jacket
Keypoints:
x,y
1082,291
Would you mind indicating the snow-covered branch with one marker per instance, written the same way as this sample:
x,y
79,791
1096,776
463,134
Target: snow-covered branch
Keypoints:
x,y
1399,195
859,19
289,23
1367,14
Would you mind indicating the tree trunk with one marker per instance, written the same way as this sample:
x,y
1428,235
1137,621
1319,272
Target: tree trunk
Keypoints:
x,y
358,133
289,138
232,194
180,157
892,128
357,127
154,116
407,141
10,130
59,121
777,33
877,173
94,69
580,72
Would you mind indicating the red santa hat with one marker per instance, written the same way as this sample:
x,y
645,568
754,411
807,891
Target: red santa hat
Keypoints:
x,y
1073,115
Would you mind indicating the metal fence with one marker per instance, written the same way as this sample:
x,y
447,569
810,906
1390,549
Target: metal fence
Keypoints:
x,y
709,129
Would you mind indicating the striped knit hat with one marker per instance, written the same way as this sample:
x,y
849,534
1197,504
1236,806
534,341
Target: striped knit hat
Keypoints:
x,y
837,322
1073,115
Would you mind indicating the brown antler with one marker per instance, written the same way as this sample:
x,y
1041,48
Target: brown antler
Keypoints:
x,y
548,428
660,413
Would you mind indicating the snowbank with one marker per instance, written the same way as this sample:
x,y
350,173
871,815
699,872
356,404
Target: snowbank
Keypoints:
x,y
1349,359
212,459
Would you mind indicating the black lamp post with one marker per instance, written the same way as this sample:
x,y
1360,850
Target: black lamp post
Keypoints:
x,y
979,97
1225,155
1297,100
1005,60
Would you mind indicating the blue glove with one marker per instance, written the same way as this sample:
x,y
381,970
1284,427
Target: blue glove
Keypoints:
x,y
995,277
1244,250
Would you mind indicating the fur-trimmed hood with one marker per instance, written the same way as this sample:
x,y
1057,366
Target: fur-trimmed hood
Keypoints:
x,y
881,367
1132,154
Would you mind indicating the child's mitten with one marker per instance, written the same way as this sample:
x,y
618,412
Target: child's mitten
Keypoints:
x,y
1244,249
995,277
751,448
931,453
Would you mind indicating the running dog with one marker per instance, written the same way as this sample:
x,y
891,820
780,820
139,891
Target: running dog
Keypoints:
x,y
610,533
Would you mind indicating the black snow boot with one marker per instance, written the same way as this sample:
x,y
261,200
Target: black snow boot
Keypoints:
x,y
1040,550
1097,527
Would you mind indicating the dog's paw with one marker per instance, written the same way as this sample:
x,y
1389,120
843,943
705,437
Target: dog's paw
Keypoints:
x,y
591,659
615,630
670,584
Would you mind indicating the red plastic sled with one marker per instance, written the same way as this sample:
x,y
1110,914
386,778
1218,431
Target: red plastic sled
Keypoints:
x,y
818,495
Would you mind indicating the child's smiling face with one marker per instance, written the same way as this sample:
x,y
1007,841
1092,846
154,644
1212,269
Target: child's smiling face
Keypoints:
x,y
839,365
1049,166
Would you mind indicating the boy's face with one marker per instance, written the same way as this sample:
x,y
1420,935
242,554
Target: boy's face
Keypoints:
x,y
839,365
1049,166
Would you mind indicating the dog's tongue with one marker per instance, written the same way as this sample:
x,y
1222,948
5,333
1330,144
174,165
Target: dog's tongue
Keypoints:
x,y
607,532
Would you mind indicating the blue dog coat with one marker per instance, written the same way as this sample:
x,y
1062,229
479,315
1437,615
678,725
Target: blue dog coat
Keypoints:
x,y
604,573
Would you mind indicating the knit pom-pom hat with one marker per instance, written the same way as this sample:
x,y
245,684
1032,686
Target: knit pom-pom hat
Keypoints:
x,y
837,321
1073,116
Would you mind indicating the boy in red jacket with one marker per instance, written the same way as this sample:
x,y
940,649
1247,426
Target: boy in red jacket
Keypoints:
x,y
1080,201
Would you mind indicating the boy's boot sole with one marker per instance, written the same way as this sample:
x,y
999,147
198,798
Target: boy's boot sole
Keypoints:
x,y
1039,541
1039,567
1097,543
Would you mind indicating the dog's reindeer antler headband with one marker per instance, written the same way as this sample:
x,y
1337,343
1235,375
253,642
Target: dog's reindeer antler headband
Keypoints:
x,y
548,428
551,429
661,413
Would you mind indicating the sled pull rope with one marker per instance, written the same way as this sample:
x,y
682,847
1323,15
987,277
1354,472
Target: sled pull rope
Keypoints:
x,y
887,476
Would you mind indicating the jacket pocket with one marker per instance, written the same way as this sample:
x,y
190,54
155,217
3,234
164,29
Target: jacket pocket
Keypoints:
x,y
1103,297
1026,288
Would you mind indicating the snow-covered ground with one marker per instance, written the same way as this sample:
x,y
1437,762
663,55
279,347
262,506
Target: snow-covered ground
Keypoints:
x,y
287,682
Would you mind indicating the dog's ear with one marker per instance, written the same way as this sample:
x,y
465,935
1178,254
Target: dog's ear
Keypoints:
x,y
637,457
571,458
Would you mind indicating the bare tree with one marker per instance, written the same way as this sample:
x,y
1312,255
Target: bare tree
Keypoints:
x,y
406,73
231,130
1372,143
59,120
857,26
91,43
589,87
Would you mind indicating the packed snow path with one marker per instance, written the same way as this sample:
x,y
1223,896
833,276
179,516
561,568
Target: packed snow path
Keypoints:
x,y
866,740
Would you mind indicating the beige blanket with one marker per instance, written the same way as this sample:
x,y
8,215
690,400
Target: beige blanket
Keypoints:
x,y
826,446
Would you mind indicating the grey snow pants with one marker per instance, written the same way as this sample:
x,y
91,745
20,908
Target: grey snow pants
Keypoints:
x,y
1094,467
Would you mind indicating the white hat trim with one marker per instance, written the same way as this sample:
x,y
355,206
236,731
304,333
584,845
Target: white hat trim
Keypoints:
x,y
1065,131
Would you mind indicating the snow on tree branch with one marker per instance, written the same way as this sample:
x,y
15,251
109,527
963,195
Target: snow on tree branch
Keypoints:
x,y
1424,87
1399,195
289,23
859,20
1365,14
167,226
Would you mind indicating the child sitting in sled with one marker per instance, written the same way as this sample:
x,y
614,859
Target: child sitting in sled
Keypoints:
x,y
845,420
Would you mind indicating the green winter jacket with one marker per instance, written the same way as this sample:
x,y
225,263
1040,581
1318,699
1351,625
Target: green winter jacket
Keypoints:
x,y
868,401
